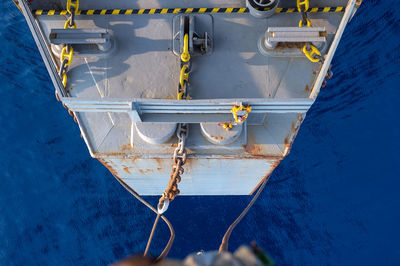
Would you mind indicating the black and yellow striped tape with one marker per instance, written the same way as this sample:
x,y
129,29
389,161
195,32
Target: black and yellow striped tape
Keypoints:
x,y
177,11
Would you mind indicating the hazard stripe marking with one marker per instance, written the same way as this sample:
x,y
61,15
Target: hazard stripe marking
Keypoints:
x,y
231,10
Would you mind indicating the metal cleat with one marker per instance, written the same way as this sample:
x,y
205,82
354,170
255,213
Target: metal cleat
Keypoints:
x,y
86,42
200,29
288,41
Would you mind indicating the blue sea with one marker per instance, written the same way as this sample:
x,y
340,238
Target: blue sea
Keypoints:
x,y
333,201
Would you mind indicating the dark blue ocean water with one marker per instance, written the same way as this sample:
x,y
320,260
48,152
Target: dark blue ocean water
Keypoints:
x,y
333,201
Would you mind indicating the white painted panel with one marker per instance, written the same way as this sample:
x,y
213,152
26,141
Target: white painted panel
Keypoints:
x,y
203,176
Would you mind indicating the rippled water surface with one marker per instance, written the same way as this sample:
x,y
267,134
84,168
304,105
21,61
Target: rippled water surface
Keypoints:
x,y
333,201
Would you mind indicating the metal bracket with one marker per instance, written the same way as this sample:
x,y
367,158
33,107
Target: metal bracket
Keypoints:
x,y
201,32
134,113
86,42
289,41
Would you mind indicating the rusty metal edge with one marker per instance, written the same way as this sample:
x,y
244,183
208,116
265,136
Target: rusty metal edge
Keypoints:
x,y
114,172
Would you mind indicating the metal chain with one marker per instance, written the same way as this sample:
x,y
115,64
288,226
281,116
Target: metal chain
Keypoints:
x,y
304,17
180,155
64,63
67,52
302,7
172,190
183,86
186,66
310,51
179,159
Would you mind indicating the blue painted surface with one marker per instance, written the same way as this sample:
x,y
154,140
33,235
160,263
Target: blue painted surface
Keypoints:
x,y
333,201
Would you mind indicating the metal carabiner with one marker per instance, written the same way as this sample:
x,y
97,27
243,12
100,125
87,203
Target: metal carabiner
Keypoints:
x,y
162,206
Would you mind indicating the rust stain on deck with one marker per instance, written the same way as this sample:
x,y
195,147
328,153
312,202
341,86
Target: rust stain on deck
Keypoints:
x,y
145,171
158,162
253,149
126,170
126,147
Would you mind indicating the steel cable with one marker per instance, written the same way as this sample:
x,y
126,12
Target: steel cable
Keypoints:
x,y
167,248
151,235
225,239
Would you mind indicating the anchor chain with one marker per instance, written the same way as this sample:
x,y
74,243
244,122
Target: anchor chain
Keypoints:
x,y
179,159
185,70
302,7
309,50
67,52
172,190
180,155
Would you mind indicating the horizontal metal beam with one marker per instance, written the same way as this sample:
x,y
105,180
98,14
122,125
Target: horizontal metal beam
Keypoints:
x,y
195,111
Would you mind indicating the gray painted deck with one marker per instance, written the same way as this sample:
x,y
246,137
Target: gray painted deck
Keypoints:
x,y
144,66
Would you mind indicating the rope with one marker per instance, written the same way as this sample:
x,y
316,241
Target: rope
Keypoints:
x,y
167,248
151,235
225,239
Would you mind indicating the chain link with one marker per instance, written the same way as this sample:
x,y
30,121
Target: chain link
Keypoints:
x,y
65,61
183,86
